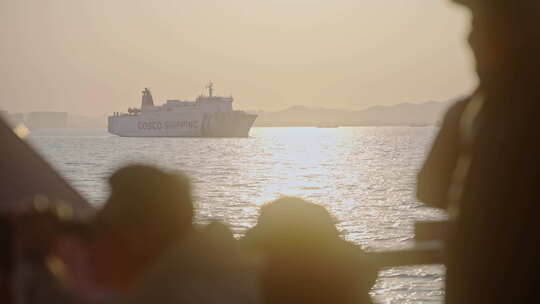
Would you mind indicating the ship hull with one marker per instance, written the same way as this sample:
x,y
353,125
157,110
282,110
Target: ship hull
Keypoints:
x,y
188,124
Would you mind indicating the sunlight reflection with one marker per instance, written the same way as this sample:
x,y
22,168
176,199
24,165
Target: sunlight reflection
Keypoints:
x,y
364,176
302,158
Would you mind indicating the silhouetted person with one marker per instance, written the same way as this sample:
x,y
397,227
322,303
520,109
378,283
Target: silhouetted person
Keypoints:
x,y
147,249
147,211
435,177
493,196
205,267
304,260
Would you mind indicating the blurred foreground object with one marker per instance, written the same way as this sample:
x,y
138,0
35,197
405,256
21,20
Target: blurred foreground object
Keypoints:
x,y
36,205
485,163
304,259
37,274
146,248
26,180
204,267
148,209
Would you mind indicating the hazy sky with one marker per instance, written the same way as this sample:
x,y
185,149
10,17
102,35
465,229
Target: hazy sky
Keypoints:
x,y
94,56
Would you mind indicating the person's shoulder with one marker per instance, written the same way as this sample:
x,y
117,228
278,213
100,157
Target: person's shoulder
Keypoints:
x,y
217,232
358,264
211,248
435,175
453,114
351,255
204,266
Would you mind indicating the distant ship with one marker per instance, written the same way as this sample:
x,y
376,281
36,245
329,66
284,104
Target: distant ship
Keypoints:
x,y
207,116
327,125
419,124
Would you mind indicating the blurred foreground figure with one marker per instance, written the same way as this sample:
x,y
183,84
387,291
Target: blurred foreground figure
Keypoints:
x,y
485,164
146,248
304,258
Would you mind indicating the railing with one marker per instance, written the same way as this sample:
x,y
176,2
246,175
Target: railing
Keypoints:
x,y
430,238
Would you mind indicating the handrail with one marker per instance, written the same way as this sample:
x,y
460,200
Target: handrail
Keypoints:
x,y
429,249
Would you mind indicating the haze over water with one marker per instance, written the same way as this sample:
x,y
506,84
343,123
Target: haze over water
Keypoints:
x,y
364,176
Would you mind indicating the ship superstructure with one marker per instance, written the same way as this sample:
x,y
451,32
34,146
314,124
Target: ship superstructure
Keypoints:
x,y
207,116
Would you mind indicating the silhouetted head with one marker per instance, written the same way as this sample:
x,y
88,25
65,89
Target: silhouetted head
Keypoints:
x,y
502,31
291,222
147,210
148,202
304,258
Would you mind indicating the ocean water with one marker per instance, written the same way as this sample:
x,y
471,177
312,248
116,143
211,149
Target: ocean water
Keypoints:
x,y
365,176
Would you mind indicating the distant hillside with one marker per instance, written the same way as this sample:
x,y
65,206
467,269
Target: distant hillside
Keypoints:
x,y
427,113
415,114
34,119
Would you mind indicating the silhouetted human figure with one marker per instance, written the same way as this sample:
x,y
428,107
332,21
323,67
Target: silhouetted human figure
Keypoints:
x,y
148,250
304,260
206,266
147,210
494,195
435,177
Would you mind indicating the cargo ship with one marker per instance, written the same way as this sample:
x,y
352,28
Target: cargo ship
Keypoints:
x,y
207,116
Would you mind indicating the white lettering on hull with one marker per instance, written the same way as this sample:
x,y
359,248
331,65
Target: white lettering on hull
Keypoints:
x,y
168,125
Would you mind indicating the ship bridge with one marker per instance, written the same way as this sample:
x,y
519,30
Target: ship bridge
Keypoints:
x,y
213,103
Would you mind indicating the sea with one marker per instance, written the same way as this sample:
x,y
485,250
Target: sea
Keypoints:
x,y
365,176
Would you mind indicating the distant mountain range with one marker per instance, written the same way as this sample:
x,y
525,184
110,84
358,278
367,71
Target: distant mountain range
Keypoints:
x,y
404,114
428,113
